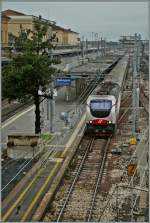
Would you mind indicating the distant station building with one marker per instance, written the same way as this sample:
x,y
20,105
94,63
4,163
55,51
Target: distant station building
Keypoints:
x,y
66,37
4,30
13,20
127,42
5,25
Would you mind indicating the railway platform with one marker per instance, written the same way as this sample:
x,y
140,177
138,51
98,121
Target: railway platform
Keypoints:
x,y
42,171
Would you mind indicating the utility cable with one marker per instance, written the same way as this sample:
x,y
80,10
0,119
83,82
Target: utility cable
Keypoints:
x,y
22,169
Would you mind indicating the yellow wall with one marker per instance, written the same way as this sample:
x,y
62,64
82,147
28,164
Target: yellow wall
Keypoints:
x,y
59,36
26,23
14,26
73,38
4,32
66,38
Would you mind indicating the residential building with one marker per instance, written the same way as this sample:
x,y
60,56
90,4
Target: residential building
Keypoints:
x,y
10,12
65,37
127,41
4,30
13,20
73,38
26,22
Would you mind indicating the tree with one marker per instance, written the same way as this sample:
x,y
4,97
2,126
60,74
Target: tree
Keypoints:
x,y
30,69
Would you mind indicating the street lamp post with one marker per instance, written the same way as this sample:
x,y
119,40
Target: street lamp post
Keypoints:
x,y
87,47
51,103
82,49
136,89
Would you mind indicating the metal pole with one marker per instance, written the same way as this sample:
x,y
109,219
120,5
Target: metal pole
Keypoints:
x,y
135,91
82,49
137,85
101,47
93,41
132,199
42,114
104,47
48,110
87,47
51,108
117,208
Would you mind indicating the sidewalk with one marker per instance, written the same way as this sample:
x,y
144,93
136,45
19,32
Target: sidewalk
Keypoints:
x,y
62,132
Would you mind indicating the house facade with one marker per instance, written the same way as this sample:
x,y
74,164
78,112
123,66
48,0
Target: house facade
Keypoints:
x,y
4,30
13,20
65,37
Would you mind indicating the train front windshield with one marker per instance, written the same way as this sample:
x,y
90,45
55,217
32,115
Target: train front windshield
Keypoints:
x,y
100,108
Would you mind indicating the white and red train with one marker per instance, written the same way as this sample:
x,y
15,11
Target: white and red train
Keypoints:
x,y
103,105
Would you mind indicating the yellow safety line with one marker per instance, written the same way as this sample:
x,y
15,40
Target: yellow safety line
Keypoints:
x,y
22,194
39,192
20,197
15,117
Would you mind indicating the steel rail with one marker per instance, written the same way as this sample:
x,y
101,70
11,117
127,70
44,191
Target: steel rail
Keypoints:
x,y
99,178
90,87
13,111
75,179
123,115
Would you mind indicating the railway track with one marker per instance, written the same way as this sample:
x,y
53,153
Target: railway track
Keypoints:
x,y
93,83
78,198
36,181
12,109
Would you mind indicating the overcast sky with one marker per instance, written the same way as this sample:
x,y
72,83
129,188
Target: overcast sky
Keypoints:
x,y
110,19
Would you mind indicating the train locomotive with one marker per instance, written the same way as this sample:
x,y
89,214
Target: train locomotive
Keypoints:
x,y
103,105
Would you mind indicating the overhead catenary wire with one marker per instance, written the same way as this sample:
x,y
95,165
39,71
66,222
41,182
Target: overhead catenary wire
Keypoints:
x,y
12,160
86,90
24,168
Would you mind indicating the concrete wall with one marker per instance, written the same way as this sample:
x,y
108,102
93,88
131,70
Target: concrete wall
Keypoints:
x,y
22,146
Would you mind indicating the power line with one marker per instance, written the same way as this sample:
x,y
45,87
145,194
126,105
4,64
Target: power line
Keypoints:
x,y
24,168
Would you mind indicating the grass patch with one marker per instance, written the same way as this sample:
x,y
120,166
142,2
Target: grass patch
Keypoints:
x,y
46,136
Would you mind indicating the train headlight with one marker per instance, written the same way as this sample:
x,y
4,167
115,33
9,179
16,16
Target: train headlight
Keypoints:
x,y
109,122
90,122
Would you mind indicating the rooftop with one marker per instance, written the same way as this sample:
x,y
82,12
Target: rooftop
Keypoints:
x,y
10,11
56,27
